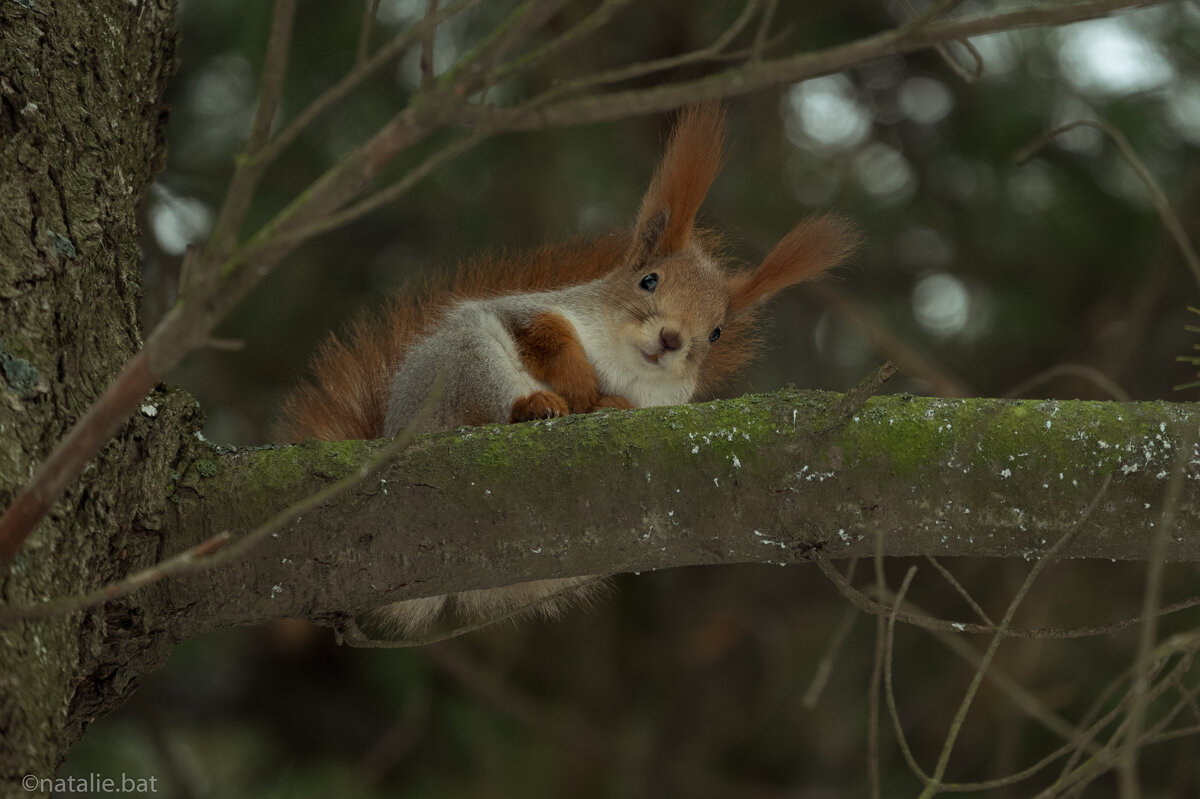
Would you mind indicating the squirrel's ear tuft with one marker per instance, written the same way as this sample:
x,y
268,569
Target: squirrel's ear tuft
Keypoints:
x,y
810,248
647,238
690,164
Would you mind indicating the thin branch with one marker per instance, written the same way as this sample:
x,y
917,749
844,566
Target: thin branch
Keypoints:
x,y
962,592
942,49
589,24
889,692
1079,370
274,71
812,696
384,196
911,362
925,622
1050,556
1100,762
350,81
540,114
620,74
249,171
854,399
364,31
427,37
1151,604
1161,204
833,651
183,562
968,75
874,695
1025,700
763,34
475,69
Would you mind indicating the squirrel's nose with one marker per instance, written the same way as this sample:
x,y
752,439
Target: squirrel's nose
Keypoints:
x,y
671,340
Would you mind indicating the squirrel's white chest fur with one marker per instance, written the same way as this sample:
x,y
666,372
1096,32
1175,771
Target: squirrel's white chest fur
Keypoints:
x,y
619,365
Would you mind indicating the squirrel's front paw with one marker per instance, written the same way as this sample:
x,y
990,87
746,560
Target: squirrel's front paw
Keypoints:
x,y
538,405
611,401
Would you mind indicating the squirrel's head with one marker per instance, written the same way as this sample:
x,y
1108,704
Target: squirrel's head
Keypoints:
x,y
684,318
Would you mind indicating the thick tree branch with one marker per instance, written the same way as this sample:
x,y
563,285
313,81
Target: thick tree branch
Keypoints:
x,y
735,481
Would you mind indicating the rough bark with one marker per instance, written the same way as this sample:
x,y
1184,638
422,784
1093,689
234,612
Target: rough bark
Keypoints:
x,y
81,87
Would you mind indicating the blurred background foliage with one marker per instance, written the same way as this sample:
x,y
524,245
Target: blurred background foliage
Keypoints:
x,y
696,682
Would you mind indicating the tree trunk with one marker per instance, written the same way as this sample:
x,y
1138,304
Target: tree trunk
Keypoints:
x,y
81,114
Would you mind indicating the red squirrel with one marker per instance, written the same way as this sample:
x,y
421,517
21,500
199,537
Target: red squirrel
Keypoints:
x,y
649,317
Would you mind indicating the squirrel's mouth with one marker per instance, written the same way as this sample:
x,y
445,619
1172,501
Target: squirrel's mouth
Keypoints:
x,y
650,358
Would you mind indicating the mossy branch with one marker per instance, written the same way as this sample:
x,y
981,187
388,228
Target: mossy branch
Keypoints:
x,y
742,480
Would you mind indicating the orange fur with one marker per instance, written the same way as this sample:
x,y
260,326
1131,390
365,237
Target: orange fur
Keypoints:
x,y
538,405
809,248
552,353
687,170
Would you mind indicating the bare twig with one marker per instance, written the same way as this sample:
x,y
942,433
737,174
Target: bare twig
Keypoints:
x,y
854,399
619,74
827,662
889,692
762,35
874,695
962,592
868,605
569,729
1079,370
1151,603
475,69
592,22
1169,219
427,37
183,562
364,31
540,114
968,699
384,196
399,43
886,343
249,170
969,76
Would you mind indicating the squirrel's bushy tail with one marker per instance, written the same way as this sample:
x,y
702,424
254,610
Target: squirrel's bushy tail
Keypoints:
x,y
346,395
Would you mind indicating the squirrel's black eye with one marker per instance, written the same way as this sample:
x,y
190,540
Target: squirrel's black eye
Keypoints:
x,y
716,334
649,282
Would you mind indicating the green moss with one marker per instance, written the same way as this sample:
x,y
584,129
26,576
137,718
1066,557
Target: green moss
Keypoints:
x,y
206,468
1041,437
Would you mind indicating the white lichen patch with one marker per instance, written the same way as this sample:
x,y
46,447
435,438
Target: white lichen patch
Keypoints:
x,y
769,542
150,410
